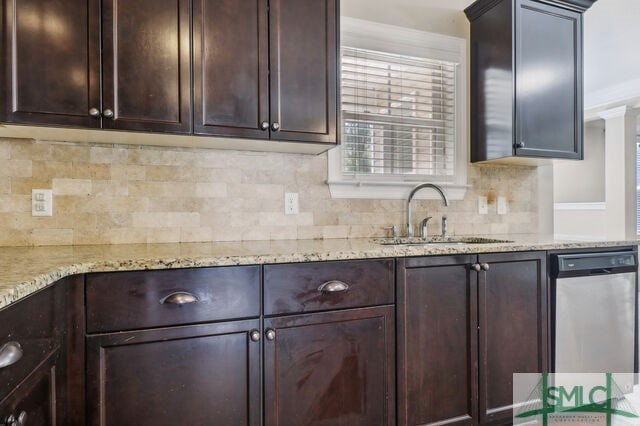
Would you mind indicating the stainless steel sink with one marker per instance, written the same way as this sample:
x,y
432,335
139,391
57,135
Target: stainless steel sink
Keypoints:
x,y
403,241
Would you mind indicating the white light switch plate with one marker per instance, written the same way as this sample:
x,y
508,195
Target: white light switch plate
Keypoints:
x,y
483,206
291,203
502,205
41,202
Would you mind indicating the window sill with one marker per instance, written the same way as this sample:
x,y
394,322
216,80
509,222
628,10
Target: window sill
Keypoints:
x,y
391,190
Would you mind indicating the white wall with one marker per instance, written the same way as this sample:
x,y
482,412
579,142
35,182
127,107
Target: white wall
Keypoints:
x,y
582,181
436,16
611,34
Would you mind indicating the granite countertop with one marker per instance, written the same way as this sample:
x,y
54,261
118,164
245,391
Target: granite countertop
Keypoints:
x,y
25,270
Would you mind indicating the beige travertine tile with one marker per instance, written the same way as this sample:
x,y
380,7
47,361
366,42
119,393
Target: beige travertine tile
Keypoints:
x,y
114,204
5,150
128,172
112,194
52,237
76,220
193,235
310,232
278,219
114,220
15,203
125,235
283,233
31,151
16,237
5,186
90,236
164,235
15,168
211,190
183,220
109,187
252,233
46,170
70,153
72,186
150,220
24,220
167,204
336,231
90,171
106,155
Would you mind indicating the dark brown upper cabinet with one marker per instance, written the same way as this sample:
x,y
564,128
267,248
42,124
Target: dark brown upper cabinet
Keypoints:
x,y
50,71
53,59
146,65
526,78
266,71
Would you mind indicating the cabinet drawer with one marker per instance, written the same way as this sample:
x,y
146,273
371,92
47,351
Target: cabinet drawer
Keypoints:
x,y
294,288
119,301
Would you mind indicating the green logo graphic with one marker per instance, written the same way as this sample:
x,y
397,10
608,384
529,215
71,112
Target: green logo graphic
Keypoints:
x,y
557,400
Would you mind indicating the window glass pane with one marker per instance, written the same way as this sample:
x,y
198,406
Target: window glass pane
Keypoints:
x,y
638,188
398,115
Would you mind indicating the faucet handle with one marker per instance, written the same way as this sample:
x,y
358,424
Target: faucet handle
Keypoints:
x,y
445,230
393,229
424,232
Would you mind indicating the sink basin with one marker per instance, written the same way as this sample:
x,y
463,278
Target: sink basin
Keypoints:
x,y
400,241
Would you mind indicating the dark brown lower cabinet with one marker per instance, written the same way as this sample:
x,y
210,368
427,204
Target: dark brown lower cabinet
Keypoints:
x,y
330,369
44,383
462,334
194,375
34,401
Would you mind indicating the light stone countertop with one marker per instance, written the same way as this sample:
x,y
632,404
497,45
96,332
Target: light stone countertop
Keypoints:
x,y
25,270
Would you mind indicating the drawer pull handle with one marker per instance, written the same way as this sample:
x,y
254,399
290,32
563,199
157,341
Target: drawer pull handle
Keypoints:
x,y
10,353
179,298
333,287
11,420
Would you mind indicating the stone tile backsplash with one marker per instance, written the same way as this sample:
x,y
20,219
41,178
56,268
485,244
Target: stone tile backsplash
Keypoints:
x,y
116,194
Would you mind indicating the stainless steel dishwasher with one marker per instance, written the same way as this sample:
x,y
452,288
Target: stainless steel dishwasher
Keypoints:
x,y
594,305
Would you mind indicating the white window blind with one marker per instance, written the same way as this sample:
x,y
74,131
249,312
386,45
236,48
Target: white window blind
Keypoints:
x,y
399,115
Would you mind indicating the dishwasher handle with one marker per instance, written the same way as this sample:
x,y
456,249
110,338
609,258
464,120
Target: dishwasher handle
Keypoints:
x,y
601,271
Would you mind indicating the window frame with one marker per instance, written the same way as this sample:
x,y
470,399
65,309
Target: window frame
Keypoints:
x,y
388,38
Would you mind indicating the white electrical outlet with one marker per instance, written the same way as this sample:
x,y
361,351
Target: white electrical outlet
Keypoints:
x,y
502,205
41,202
483,205
291,204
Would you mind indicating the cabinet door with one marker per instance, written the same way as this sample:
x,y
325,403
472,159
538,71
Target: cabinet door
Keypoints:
x,y
304,70
437,341
146,65
50,72
231,68
197,375
512,327
331,369
35,398
548,81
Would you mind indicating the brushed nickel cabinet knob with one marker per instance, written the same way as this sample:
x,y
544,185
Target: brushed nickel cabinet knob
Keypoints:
x,y
270,334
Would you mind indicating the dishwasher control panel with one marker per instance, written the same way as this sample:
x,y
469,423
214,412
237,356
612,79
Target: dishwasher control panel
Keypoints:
x,y
597,262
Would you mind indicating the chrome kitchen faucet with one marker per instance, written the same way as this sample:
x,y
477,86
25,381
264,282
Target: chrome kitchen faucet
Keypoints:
x,y
412,194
